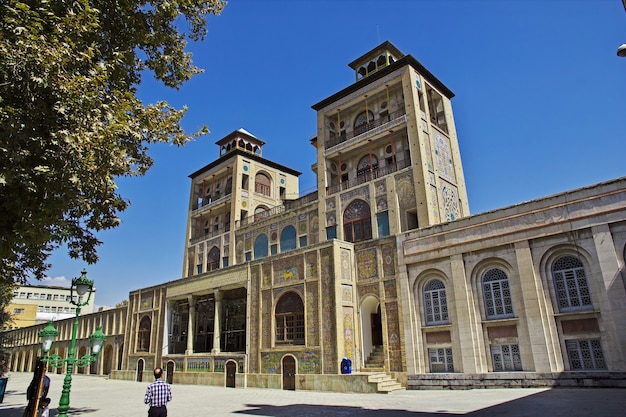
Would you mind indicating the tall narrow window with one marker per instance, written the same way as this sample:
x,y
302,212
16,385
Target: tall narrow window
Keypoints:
x,y
497,294
213,259
435,303
143,339
570,284
290,320
357,222
262,184
260,246
288,238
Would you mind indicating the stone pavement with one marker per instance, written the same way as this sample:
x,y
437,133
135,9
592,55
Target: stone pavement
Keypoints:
x,y
93,396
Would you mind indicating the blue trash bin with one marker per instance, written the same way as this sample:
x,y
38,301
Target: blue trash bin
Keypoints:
x,y
346,366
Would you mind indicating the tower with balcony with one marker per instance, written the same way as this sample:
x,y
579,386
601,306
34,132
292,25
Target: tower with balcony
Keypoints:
x,y
388,158
230,192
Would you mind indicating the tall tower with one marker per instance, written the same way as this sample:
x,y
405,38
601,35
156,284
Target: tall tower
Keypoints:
x,y
230,191
388,158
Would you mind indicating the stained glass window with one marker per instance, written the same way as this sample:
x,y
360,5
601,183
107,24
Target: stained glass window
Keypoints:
x,y
357,224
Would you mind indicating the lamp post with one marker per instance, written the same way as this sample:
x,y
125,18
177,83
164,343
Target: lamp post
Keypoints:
x,y
80,286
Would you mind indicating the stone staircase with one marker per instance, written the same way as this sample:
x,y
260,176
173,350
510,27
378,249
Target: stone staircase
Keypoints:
x,y
385,383
375,366
375,362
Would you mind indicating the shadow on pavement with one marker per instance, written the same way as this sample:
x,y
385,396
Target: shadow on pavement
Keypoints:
x,y
560,402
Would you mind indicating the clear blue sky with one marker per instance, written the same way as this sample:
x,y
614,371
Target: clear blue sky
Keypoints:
x,y
540,105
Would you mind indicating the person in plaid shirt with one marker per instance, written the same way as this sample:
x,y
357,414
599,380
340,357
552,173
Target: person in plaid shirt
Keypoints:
x,y
158,395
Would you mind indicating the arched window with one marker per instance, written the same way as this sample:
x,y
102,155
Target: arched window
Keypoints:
x,y
570,284
435,304
361,121
213,259
288,239
366,164
260,246
143,339
497,294
262,184
290,320
357,222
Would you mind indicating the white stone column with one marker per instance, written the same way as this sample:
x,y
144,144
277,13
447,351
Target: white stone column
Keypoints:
x,y
190,324
413,347
613,300
467,322
217,330
537,333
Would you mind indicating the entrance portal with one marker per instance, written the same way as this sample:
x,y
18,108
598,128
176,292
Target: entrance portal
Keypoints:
x,y
231,370
140,370
371,326
289,373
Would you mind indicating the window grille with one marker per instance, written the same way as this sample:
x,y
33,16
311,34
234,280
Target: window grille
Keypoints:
x,y
570,284
290,320
497,294
441,360
506,358
585,354
435,303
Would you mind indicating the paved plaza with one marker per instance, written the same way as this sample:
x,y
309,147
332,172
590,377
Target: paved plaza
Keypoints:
x,y
93,396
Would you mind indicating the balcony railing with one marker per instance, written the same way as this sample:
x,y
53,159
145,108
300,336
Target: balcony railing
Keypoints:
x,y
368,176
206,202
336,139
207,234
274,211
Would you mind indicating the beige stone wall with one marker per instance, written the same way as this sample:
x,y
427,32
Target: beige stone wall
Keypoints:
x,y
523,241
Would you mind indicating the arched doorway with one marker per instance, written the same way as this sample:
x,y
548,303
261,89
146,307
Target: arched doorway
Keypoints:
x,y
140,365
107,362
371,325
170,372
231,370
289,373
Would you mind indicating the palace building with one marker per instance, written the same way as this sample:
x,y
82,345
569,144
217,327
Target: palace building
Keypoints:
x,y
381,279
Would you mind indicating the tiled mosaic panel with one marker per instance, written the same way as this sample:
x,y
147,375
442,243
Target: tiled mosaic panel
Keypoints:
x,y
450,199
393,337
405,191
254,322
389,259
362,193
434,204
346,266
312,314
308,362
367,265
267,318
288,269
267,273
381,188
370,289
429,154
346,294
443,157
313,228
329,331
390,289
311,265
348,332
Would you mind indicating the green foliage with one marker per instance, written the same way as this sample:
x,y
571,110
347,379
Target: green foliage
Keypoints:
x,y
70,119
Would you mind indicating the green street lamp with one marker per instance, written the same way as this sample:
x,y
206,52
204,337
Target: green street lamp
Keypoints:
x,y
80,286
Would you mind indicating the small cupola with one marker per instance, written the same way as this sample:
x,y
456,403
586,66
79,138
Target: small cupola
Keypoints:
x,y
380,57
243,140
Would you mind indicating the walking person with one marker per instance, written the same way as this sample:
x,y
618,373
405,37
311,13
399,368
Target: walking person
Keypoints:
x,y
158,395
